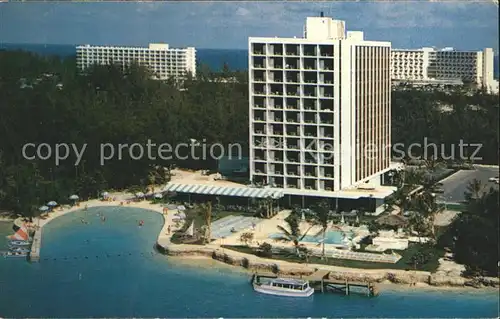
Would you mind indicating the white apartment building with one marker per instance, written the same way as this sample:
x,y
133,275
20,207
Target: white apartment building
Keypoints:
x,y
159,58
320,110
445,66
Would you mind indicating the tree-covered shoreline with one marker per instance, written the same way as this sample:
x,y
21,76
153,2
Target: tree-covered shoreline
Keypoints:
x,y
45,100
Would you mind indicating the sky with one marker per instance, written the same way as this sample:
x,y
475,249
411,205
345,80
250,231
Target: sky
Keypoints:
x,y
462,24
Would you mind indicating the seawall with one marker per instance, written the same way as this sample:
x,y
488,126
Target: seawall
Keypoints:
x,y
284,268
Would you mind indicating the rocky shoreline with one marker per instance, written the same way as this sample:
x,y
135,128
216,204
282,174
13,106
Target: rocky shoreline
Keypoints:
x,y
283,268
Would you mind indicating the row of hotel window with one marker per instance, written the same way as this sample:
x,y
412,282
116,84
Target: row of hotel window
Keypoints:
x,y
292,103
294,183
292,76
306,169
292,90
294,117
292,63
291,49
310,133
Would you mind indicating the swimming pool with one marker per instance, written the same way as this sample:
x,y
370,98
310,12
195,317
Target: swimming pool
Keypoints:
x,y
332,237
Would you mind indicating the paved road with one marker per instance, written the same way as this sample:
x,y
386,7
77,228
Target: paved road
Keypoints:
x,y
455,185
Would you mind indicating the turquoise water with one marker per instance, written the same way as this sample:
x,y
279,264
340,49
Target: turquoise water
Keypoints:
x,y
80,278
331,237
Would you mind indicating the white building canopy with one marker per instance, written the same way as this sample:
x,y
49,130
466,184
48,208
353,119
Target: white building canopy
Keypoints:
x,y
224,190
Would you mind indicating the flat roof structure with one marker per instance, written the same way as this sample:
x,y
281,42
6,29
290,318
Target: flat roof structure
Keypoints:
x,y
197,183
203,189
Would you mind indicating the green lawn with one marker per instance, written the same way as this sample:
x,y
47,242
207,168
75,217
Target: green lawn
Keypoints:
x,y
402,264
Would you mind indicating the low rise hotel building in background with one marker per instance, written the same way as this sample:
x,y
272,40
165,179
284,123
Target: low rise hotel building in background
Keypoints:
x,y
164,62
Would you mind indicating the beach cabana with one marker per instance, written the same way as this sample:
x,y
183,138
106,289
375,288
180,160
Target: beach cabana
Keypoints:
x,y
139,194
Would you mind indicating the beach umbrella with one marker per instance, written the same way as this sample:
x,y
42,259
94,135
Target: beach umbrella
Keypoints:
x,y
52,203
342,220
139,194
43,208
303,216
357,219
158,195
105,194
73,197
181,214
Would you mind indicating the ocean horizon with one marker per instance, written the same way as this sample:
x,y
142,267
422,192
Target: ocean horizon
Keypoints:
x,y
111,269
236,59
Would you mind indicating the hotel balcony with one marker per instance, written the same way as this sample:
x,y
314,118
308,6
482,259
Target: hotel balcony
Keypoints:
x,y
326,185
310,185
326,51
276,156
292,63
309,64
309,50
292,183
293,159
276,63
259,62
276,49
259,49
292,49
259,76
326,172
259,131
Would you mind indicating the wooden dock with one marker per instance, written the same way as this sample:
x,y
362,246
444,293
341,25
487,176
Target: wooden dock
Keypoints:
x,y
36,246
321,282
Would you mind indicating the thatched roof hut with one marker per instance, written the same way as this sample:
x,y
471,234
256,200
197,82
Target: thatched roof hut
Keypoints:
x,y
392,220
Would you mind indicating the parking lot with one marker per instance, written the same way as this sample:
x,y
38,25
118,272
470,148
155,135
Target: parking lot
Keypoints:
x,y
455,185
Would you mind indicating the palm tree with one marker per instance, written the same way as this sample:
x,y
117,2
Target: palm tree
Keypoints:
x,y
206,209
425,203
292,234
475,190
267,206
321,217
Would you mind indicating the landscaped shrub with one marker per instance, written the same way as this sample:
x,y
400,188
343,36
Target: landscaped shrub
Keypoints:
x,y
275,269
245,263
265,250
391,277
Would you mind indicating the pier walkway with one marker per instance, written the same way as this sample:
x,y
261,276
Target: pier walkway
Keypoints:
x,y
320,281
35,247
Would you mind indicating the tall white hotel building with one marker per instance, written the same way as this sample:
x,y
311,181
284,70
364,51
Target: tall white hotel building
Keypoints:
x,y
320,110
164,62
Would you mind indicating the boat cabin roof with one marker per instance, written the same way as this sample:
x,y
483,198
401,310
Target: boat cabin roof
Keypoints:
x,y
289,281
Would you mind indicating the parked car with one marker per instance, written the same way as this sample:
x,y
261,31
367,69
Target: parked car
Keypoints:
x,y
493,179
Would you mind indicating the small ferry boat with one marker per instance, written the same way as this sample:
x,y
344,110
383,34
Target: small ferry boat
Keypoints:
x,y
19,249
284,287
19,243
11,254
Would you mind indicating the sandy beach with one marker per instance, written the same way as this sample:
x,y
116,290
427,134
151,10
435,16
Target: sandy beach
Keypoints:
x,y
203,256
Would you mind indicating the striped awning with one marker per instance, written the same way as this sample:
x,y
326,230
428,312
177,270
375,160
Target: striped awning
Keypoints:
x,y
224,191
